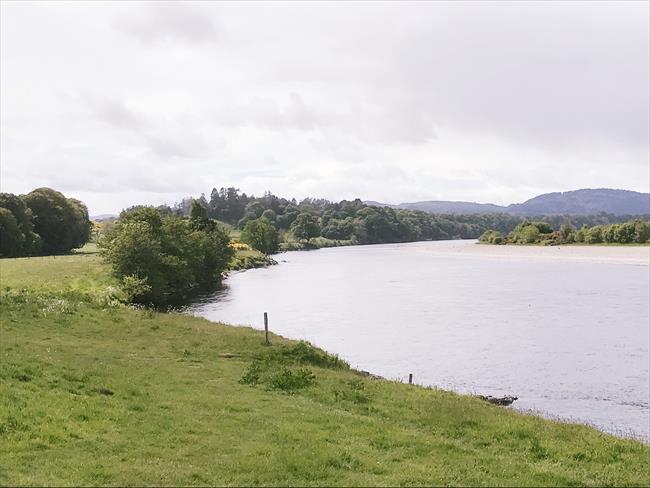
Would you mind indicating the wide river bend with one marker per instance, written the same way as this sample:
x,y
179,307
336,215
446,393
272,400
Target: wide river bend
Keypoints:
x,y
566,329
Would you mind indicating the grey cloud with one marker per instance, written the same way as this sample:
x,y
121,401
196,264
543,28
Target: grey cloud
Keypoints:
x,y
386,122
549,73
116,113
162,138
166,22
389,100
268,114
168,146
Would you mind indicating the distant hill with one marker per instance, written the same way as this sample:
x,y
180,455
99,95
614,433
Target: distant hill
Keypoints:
x,y
445,207
100,217
585,202
578,202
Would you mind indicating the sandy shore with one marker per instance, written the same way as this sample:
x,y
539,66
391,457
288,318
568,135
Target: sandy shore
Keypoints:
x,y
632,255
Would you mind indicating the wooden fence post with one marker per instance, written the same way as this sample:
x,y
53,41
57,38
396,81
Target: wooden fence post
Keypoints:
x,y
410,378
266,328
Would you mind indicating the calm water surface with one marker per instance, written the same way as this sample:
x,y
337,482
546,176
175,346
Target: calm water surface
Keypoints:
x,y
567,334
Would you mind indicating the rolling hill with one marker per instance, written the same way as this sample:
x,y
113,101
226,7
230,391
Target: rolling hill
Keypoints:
x,y
577,202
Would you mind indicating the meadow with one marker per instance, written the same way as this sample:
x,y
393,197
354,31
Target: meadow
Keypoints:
x,y
94,392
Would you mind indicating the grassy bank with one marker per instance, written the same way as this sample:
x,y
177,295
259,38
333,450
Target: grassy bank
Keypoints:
x,y
250,259
93,392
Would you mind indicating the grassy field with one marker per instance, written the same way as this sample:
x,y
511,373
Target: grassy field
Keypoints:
x,y
96,393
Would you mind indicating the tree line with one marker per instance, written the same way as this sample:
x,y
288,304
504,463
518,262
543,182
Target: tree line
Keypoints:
x,y
269,223
42,222
541,232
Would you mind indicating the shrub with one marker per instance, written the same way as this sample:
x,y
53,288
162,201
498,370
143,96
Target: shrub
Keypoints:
x,y
303,353
491,237
161,258
290,380
262,235
252,375
284,379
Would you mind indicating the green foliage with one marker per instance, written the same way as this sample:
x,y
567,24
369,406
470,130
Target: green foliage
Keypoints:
x,y
491,237
12,240
198,212
277,377
289,380
354,222
62,223
30,242
48,222
540,232
135,287
305,226
262,235
529,232
250,259
303,352
162,259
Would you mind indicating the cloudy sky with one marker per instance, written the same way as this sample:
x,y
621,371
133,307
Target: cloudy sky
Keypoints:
x,y
118,103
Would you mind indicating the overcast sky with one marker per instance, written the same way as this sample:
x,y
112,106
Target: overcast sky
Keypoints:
x,y
123,103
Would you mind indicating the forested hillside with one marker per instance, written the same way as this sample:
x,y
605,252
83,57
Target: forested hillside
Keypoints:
x,y
579,202
356,222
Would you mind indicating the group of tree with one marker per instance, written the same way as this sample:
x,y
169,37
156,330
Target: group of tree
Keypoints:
x,y
162,258
268,220
347,220
41,222
541,232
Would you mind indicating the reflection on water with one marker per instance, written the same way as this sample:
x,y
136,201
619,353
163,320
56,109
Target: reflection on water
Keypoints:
x,y
568,336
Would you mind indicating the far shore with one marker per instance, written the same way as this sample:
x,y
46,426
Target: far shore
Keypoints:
x,y
605,254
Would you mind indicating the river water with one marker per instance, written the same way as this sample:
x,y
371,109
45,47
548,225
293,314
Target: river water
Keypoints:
x,y
566,329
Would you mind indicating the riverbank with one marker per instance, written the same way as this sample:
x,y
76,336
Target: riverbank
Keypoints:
x,y
97,393
635,254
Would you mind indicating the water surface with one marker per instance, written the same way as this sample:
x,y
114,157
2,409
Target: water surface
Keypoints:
x,y
564,329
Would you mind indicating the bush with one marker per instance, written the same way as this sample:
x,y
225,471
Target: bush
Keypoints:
x,y
305,353
290,380
284,379
262,235
525,233
162,258
491,237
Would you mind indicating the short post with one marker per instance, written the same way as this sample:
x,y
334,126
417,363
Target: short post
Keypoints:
x,y
266,328
410,378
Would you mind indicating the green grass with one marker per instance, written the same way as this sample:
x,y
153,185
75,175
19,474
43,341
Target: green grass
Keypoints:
x,y
96,393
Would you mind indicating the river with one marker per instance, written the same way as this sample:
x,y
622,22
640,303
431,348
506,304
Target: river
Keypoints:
x,y
566,329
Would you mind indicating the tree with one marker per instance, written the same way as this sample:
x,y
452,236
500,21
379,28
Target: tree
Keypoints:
x,y
163,258
199,215
525,233
11,237
270,215
305,226
260,234
25,221
62,223
566,229
79,222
